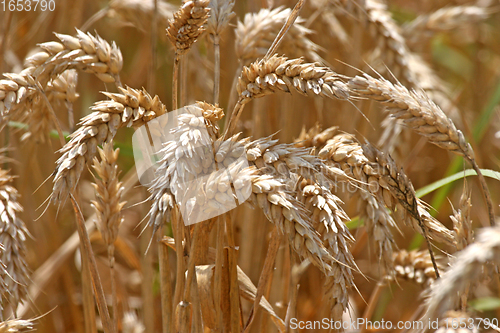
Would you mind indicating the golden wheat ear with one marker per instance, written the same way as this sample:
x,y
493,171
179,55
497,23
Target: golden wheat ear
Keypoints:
x,y
14,270
129,108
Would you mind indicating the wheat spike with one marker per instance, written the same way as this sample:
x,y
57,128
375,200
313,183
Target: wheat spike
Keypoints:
x,y
257,32
16,325
443,19
379,176
404,65
271,172
187,25
416,110
265,76
345,153
328,218
61,94
414,266
465,269
84,52
128,108
108,204
13,233
184,159
140,13
221,12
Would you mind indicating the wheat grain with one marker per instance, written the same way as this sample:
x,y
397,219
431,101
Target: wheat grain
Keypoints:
x,y
465,269
13,234
187,25
314,137
128,108
414,266
257,32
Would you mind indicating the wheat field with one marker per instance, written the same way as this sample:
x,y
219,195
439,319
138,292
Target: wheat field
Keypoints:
x,y
332,162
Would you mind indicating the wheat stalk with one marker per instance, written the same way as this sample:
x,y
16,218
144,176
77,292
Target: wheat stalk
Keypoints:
x,y
14,275
128,108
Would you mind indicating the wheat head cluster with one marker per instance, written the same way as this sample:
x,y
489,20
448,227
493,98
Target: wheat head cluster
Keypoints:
x,y
359,139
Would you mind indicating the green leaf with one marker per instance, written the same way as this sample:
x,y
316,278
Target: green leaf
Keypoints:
x,y
354,223
459,175
485,303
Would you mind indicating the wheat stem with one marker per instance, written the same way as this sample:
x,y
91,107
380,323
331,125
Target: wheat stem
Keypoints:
x,y
165,286
114,298
216,69
175,83
179,249
96,280
265,275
